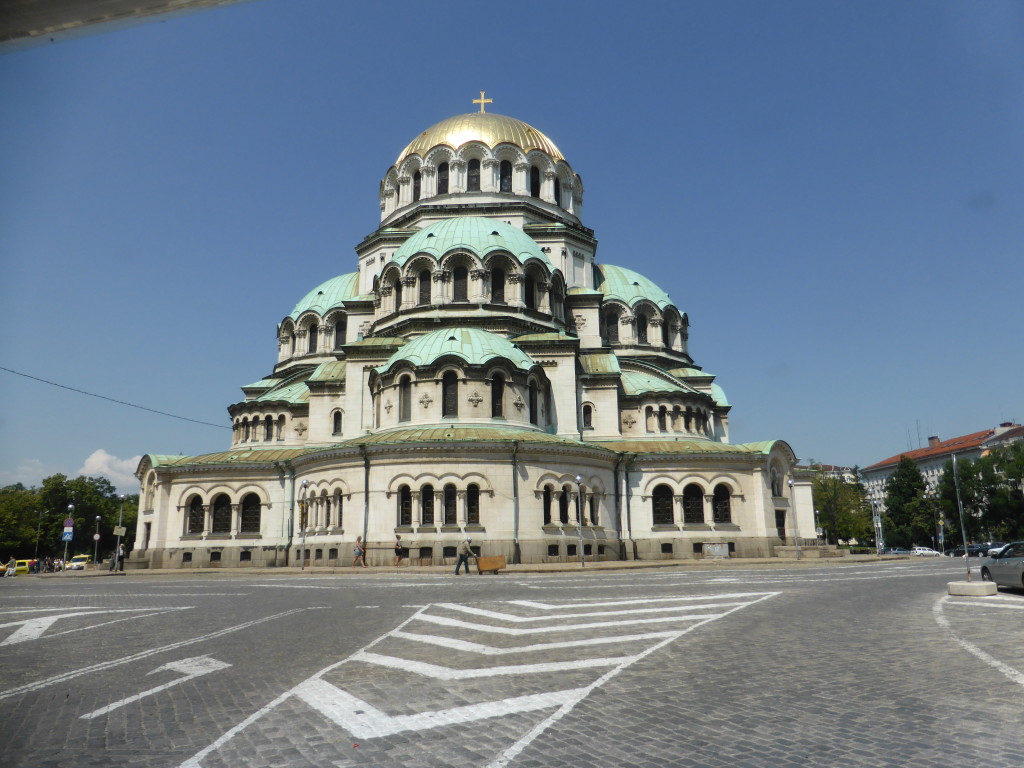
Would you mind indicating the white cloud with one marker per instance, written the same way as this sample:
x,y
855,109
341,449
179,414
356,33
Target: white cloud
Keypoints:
x,y
118,471
29,472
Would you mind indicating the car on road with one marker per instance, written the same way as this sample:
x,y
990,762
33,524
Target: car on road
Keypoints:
x,y
1007,567
21,566
973,550
894,551
924,552
79,562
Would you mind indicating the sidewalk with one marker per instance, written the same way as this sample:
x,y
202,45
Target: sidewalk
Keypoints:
x,y
526,568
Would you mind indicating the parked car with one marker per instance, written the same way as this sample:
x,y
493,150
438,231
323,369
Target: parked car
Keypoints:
x,y
21,566
994,547
1007,567
924,552
894,551
973,550
78,562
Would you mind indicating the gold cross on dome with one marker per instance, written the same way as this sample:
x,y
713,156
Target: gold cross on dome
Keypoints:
x,y
481,101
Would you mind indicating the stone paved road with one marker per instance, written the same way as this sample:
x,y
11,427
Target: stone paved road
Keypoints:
x,y
857,665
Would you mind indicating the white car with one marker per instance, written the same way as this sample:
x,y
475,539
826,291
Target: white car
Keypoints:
x,y
924,552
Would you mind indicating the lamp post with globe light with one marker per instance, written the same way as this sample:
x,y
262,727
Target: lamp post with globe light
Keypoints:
x,y
303,506
579,516
64,562
96,543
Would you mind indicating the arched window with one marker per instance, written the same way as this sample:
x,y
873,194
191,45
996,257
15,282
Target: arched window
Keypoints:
x,y
693,505
398,294
558,192
534,419
460,284
563,505
641,328
722,504
505,176
325,504
450,499
530,292
472,504
291,344
337,507
427,505
416,186
336,426
442,179
663,419
245,430
268,428
404,398
665,340
449,395
776,482
221,515
497,286
610,326
593,509
196,515
314,337
547,505
534,181
404,506
340,332
588,416
473,176
497,396
280,427
661,505
424,288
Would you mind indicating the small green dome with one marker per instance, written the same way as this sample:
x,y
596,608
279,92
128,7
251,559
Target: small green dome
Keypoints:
x,y
628,286
474,346
329,295
476,234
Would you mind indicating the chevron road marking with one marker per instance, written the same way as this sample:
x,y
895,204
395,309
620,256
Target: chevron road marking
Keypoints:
x,y
525,619
489,650
362,720
365,722
33,629
601,603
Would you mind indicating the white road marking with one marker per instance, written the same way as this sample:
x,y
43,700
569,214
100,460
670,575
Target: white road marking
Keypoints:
x,y
980,603
65,676
190,668
1014,675
366,722
33,629
447,622
438,672
524,619
488,650
610,603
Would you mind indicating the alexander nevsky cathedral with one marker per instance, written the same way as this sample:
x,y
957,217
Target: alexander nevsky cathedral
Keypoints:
x,y
481,373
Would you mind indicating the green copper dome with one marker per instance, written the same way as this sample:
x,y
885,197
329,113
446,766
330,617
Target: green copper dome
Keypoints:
x,y
328,295
474,346
476,234
628,286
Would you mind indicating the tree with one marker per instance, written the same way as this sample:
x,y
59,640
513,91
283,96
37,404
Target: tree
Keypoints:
x,y
842,509
908,514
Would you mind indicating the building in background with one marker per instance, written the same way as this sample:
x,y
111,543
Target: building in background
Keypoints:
x,y
479,373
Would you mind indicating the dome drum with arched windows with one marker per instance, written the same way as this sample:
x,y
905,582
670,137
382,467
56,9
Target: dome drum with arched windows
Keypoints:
x,y
475,364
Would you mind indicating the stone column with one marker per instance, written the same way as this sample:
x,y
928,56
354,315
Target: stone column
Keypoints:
x,y
654,332
479,282
489,175
514,289
547,187
441,277
402,195
521,179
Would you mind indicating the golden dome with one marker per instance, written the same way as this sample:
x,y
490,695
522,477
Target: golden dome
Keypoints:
x,y
485,127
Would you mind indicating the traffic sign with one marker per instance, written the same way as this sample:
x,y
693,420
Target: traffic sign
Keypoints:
x,y
95,537
67,536
69,522
120,530
69,529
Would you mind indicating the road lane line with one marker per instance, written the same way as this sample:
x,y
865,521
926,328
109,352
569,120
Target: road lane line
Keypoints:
x,y
65,676
500,616
438,672
455,644
447,622
992,661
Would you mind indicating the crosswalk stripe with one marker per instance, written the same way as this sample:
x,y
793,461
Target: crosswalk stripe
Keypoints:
x,y
599,603
487,650
439,672
448,622
524,619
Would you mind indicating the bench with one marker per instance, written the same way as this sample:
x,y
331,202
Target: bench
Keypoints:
x,y
490,564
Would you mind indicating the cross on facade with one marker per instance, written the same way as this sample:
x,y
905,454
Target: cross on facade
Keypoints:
x,y
481,101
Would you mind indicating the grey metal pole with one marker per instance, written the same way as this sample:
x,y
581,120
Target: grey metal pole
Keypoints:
x,y
118,559
64,563
579,516
960,507
96,544
304,520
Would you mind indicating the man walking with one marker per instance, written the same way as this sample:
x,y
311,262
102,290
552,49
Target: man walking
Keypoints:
x,y
465,552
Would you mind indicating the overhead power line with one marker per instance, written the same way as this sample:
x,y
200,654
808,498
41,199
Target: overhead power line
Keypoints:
x,y
114,400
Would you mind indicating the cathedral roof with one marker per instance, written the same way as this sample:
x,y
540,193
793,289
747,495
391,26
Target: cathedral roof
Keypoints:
x,y
639,383
486,127
476,234
628,286
328,295
473,345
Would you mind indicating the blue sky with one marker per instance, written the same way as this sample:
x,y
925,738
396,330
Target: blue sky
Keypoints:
x,y
833,191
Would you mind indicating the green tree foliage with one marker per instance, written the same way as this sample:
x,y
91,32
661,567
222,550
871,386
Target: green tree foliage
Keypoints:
x,y
909,517
24,511
992,494
843,512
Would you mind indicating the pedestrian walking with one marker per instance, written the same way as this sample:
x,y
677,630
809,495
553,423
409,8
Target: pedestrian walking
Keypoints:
x,y
465,552
12,568
120,557
360,553
398,550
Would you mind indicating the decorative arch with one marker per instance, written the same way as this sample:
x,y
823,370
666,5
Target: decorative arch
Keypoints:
x,y
693,504
661,505
250,513
195,514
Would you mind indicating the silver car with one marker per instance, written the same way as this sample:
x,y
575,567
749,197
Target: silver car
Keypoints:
x,y
1006,568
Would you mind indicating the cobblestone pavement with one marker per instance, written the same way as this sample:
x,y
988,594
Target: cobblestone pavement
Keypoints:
x,y
859,665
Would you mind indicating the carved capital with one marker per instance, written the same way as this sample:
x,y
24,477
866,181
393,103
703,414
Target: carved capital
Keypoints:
x,y
442,276
514,277
479,274
627,319
408,280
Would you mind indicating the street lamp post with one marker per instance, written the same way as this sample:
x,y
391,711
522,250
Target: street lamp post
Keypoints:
x,y
96,544
64,563
579,516
118,557
960,508
303,506
39,526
